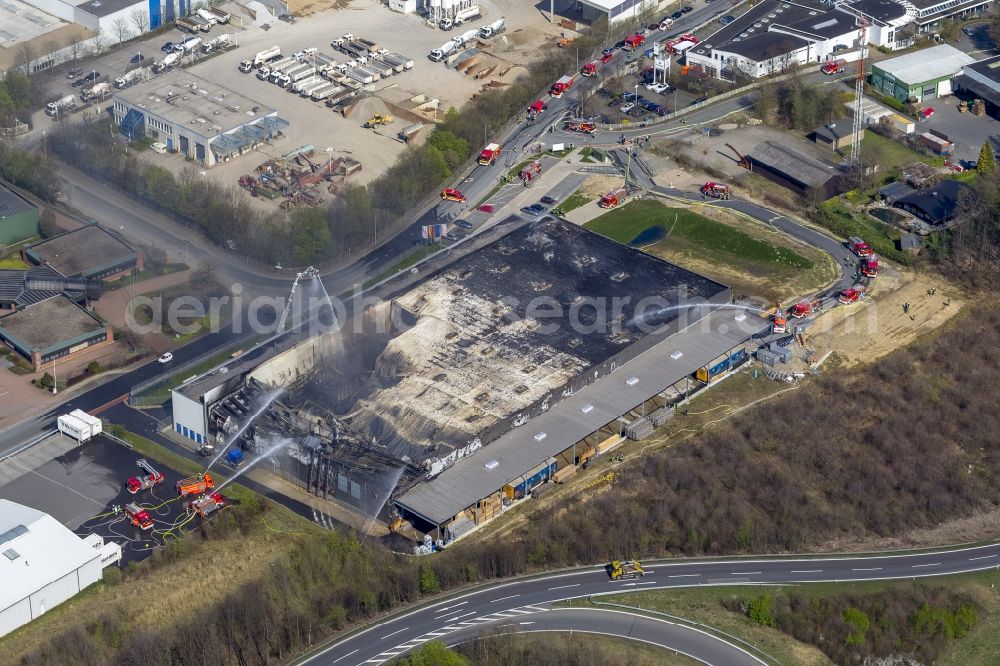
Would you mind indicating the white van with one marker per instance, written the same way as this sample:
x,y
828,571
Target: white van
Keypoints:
x,y
158,148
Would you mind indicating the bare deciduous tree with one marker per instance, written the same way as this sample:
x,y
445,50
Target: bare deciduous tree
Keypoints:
x,y
100,42
140,19
24,56
73,45
121,29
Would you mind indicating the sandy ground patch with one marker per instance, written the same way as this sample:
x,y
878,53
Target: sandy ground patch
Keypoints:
x,y
877,326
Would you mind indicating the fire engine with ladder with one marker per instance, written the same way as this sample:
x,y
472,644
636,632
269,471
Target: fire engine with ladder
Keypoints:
x,y
149,477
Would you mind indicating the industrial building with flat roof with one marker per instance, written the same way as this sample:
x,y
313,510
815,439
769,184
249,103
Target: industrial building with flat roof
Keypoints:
x,y
504,368
930,13
55,328
614,10
981,80
922,75
90,252
195,117
776,34
42,565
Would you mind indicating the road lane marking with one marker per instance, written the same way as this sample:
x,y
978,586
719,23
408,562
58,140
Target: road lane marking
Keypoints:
x,y
344,657
932,564
561,587
393,633
984,557
744,573
505,598
525,623
806,571
447,608
869,569
684,576
452,619
537,609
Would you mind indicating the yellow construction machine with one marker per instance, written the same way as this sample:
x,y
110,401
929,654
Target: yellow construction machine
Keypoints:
x,y
378,120
627,569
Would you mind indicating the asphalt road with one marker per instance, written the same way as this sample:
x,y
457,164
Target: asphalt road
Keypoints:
x,y
528,598
677,638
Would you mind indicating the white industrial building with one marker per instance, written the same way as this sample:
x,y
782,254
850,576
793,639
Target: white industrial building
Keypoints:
x,y
616,10
776,34
195,117
102,15
43,563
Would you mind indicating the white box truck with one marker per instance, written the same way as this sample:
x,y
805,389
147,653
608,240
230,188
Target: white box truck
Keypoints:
x,y
80,429
94,423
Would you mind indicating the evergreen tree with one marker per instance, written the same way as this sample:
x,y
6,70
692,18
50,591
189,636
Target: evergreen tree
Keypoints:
x,y
987,164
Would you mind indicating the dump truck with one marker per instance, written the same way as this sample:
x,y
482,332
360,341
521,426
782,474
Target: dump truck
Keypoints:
x,y
195,485
493,29
187,25
451,194
149,477
625,569
409,131
62,105
488,156
561,86
834,66
715,190
613,199
302,85
869,266
138,516
205,505
859,247
262,57
397,59
590,69
378,120
329,89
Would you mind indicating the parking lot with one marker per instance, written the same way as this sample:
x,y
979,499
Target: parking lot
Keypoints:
x,y
311,122
967,131
80,485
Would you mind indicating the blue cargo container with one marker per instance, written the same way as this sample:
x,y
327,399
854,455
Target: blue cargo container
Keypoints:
x,y
731,362
235,457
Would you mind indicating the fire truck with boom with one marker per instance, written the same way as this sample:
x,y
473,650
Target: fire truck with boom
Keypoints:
x,y
489,154
530,173
138,516
562,85
613,199
149,478
715,190
869,267
205,504
195,485
583,126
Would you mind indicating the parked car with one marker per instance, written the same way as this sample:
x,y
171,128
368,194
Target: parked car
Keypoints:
x,y
93,76
533,210
137,58
686,9
73,73
727,19
653,27
548,201
658,88
168,47
486,208
627,108
77,83
676,15
463,224
166,358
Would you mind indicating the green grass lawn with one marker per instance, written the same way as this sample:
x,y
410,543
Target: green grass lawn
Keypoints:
x,y
734,253
685,227
574,201
13,261
842,221
889,154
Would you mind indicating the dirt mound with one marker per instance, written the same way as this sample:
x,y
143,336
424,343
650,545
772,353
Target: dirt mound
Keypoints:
x,y
365,108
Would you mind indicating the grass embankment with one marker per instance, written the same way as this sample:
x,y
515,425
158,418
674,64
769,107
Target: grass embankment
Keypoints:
x,y
186,576
13,261
574,201
723,247
413,257
707,605
161,393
